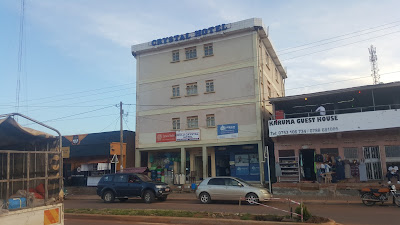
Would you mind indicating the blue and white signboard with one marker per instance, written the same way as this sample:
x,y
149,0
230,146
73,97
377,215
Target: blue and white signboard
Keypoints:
x,y
242,170
228,131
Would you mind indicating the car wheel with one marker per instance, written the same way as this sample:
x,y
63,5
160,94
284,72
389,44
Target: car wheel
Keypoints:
x,y
108,196
163,198
205,198
148,197
252,198
123,199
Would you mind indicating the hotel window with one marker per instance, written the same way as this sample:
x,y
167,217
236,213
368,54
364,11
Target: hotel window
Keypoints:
x,y
210,120
175,91
209,86
276,75
192,122
191,89
176,124
191,53
267,58
175,56
208,50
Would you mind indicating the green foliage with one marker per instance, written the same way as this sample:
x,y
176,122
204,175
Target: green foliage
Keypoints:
x,y
246,216
268,218
130,212
306,214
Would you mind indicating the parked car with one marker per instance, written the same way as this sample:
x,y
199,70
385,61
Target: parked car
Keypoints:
x,y
122,186
230,188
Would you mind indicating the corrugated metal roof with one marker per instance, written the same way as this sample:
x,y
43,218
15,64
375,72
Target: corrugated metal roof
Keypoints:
x,y
344,90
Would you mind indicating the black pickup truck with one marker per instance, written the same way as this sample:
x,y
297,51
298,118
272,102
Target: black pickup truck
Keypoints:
x,y
126,185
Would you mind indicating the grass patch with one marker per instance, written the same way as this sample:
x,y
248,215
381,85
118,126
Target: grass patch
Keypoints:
x,y
268,218
246,216
129,212
177,213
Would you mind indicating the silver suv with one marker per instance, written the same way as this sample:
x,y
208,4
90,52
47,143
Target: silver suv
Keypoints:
x,y
230,188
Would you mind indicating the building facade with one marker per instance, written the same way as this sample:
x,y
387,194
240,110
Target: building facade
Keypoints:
x,y
86,157
201,101
357,133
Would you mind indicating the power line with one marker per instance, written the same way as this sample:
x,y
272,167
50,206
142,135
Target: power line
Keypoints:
x,y
92,90
100,99
72,115
343,35
340,46
56,106
251,58
114,121
212,104
80,118
126,123
177,78
313,46
20,53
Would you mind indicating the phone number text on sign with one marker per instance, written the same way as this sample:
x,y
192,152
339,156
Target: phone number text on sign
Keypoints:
x,y
307,131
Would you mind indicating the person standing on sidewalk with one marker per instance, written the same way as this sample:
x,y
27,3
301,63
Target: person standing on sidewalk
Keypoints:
x,y
393,172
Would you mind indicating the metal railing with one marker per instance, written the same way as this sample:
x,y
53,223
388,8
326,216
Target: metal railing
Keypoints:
x,y
342,111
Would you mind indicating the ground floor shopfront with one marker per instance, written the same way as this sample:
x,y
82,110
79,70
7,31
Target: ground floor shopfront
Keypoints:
x,y
191,164
349,156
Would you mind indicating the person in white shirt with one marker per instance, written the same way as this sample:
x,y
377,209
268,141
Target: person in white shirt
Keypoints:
x,y
393,173
321,110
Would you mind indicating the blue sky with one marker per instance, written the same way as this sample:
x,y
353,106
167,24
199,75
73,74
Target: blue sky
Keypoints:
x,y
77,65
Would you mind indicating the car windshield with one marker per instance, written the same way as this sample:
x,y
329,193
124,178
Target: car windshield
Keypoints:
x,y
144,177
242,181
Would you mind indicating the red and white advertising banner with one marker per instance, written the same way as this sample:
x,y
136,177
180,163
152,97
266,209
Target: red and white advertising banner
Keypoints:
x,y
166,137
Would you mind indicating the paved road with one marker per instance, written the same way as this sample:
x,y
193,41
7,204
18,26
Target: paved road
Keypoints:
x,y
106,222
100,222
342,213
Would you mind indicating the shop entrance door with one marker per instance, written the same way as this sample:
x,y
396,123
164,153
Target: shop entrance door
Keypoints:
x,y
373,162
307,157
199,167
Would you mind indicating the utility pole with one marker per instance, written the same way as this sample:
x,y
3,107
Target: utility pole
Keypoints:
x,y
121,137
374,64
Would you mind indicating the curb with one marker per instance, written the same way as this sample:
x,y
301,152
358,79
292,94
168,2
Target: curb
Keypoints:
x,y
188,198
179,220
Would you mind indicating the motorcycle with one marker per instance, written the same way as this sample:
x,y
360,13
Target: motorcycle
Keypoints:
x,y
371,196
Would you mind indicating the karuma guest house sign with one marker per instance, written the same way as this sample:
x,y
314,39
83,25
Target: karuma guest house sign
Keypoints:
x,y
187,36
370,120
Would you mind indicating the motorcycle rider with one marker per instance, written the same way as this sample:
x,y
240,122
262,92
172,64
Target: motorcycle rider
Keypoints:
x,y
393,172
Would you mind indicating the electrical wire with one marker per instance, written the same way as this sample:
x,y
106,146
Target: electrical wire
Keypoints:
x,y
20,54
225,74
114,121
324,50
72,115
343,35
133,83
314,46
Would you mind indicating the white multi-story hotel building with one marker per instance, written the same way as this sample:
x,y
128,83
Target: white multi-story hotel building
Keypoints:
x,y
202,101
